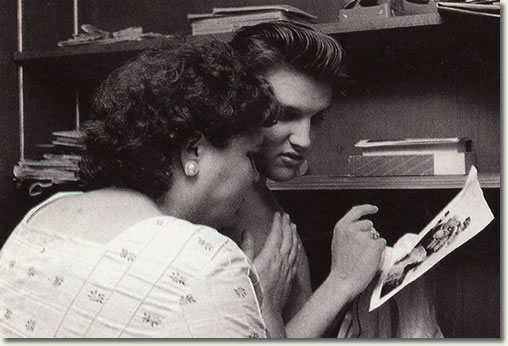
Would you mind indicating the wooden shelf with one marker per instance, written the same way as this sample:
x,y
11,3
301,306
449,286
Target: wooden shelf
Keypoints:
x,y
127,47
318,182
346,26
381,23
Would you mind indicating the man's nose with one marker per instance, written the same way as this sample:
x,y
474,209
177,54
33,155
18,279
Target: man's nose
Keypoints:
x,y
301,135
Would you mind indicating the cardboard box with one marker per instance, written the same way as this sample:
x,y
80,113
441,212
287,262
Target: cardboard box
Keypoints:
x,y
403,165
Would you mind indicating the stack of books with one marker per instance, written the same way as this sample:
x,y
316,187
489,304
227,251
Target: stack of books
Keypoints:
x,y
59,160
230,19
420,156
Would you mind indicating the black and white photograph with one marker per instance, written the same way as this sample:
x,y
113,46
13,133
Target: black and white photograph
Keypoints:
x,y
402,266
250,169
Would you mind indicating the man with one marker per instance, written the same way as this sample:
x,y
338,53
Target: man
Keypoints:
x,y
304,67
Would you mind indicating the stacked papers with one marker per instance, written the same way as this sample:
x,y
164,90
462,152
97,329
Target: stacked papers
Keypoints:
x,y
59,162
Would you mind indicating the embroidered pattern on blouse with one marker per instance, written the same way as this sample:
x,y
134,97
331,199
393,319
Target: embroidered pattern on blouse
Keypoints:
x,y
240,292
30,325
206,245
129,256
188,299
43,250
12,264
8,314
152,320
58,281
30,272
253,335
178,278
96,297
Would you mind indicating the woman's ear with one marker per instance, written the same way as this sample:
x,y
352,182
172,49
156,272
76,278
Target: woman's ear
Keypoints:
x,y
191,153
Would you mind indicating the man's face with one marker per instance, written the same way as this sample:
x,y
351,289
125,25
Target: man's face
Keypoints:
x,y
304,99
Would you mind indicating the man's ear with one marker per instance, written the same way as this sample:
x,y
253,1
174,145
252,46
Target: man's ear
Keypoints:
x,y
190,154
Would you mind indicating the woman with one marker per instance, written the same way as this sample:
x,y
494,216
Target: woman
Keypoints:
x,y
304,68
169,158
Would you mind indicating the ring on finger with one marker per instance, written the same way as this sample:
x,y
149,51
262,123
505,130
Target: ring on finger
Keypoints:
x,y
375,234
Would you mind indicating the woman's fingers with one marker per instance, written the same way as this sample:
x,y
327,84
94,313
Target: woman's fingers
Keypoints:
x,y
294,249
287,234
275,238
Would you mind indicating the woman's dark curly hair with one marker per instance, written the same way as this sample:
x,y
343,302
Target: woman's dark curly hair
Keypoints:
x,y
147,109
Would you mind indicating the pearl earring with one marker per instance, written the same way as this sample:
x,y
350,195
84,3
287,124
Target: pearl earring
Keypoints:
x,y
191,168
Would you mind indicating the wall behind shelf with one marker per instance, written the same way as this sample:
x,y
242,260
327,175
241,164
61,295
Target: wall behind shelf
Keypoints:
x,y
434,82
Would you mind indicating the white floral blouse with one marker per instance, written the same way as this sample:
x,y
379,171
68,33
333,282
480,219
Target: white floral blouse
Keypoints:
x,y
163,277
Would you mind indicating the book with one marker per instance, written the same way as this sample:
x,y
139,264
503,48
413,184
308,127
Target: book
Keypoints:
x,y
291,10
231,19
215,25
414,254
49,164
404,165
414,146
68,157
74,134
57,175
478,8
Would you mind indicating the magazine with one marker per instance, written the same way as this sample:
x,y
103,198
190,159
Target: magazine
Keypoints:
x,y
413,254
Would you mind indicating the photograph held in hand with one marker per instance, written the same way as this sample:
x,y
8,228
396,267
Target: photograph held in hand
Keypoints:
x,y
414,254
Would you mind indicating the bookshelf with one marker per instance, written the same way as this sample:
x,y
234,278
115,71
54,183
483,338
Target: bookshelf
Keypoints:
x,y
323,182
332,28
92,51
380,43
372,34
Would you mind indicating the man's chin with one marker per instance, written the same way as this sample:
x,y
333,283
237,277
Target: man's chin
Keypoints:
x,y
282,174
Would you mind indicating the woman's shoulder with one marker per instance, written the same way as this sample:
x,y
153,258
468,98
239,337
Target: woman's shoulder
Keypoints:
x,y
97,216
203,243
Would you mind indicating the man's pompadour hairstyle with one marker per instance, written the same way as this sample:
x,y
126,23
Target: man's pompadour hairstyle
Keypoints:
x,y
299,46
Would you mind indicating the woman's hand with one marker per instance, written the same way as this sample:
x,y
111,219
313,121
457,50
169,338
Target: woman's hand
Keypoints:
x,y
356,255
276,263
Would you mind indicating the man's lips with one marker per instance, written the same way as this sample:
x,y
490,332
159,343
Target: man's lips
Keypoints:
x,y
291,158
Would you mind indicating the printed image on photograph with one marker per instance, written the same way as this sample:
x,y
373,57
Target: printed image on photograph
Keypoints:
x,y
440,236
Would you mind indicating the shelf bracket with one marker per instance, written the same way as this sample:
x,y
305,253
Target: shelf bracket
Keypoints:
x,y
21,103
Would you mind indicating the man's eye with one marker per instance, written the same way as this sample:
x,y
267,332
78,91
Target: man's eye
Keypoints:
x,y
288,115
